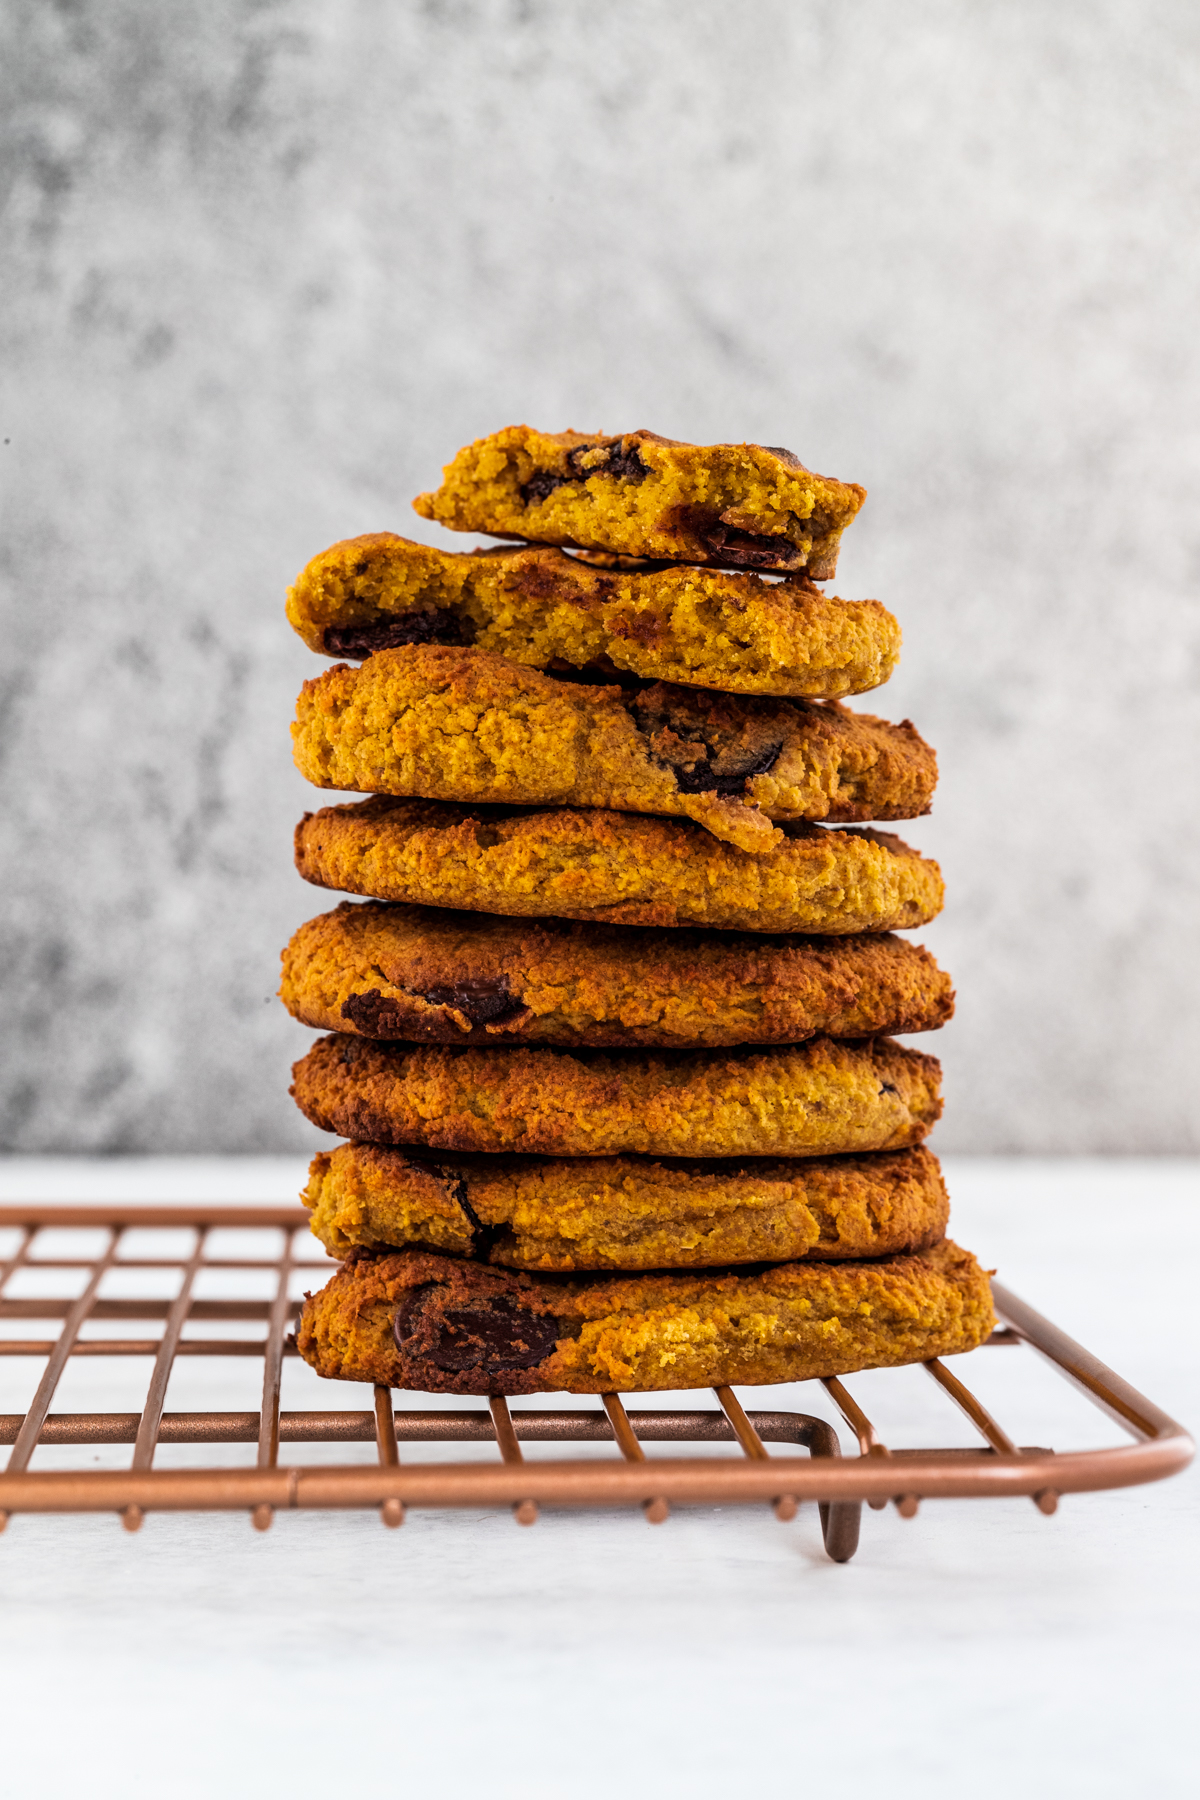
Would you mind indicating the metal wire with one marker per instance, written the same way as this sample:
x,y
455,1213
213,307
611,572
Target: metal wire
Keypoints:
x,y
840,1485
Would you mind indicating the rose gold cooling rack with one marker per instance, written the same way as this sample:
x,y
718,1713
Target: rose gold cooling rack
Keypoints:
x,y
752,1476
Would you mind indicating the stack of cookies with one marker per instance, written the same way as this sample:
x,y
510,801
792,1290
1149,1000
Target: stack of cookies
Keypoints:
x,y
612,1030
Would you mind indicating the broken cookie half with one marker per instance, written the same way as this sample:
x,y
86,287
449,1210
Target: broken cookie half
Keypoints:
x,y
737,631
743,506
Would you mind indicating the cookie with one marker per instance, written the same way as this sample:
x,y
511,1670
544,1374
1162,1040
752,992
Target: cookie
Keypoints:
x,y
626,1212
616,868
432,976
709,628
825,1097
467,725
746,506
443,1325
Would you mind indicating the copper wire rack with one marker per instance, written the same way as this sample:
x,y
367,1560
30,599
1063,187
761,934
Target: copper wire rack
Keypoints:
x,y
839,1484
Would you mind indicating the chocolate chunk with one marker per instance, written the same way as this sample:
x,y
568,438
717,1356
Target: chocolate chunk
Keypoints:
x,y
483,1237
685,735
490,1334
625,465
764,762
482,1002
700,779
373,1015
404,1321
541,582
360,641
539,487
726,544
696,780
601,673
749,549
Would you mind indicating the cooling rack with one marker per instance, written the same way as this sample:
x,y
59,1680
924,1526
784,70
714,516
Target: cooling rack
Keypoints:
x,y
878,1475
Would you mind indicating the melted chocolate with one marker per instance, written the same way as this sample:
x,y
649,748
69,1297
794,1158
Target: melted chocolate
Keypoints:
x,y
489,1335
360,641
748,549
699,779
483,1237
406,1314
726,544
685,737
601,673
482,1002
373,1015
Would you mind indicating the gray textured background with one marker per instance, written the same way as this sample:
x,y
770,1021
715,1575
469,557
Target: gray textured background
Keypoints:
x,y
267,266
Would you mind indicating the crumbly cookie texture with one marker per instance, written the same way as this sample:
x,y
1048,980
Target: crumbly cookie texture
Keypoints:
x,y
449,1326
825,1097
430,975
749,506
710,628
626,1212
616,868
467,725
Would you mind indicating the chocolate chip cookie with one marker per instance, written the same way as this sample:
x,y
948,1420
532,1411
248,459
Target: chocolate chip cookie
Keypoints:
x,y
616,868
445,1325
626,1212
467,725
745,506
825,1097
430,975
709,628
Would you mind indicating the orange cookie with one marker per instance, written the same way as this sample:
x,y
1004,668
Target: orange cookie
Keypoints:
x,y
822,1098
430,975
616,868
447,1326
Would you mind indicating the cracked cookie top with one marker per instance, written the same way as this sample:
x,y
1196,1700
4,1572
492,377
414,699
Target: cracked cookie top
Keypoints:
x,y
458,724
625,1212
616,868
428,975
824,1097
448,1325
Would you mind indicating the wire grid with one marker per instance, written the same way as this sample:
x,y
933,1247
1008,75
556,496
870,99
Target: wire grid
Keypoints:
x,y
877,1475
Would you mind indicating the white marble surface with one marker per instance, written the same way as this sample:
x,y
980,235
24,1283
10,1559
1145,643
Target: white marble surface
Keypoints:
x,y
266,266
980,1648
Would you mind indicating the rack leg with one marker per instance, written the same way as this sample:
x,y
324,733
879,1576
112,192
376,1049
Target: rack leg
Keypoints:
x,y
392,1511
841,1520
525,1512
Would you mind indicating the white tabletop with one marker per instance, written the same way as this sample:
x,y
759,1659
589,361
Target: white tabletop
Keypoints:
x,y
980,1648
